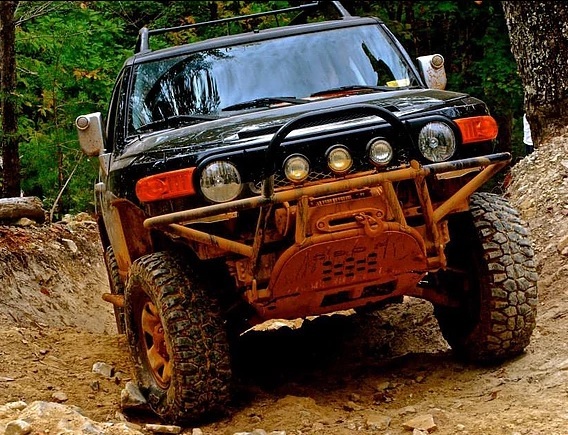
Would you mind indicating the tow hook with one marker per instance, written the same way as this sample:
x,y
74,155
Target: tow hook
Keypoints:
x,y
373,227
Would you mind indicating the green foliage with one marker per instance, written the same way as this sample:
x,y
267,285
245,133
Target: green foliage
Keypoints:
x,y
156,15
69,56
67,62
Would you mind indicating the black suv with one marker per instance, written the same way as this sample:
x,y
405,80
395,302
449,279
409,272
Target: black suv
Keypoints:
x,y
290,172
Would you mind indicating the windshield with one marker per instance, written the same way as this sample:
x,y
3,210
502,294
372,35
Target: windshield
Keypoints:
x,y
275,71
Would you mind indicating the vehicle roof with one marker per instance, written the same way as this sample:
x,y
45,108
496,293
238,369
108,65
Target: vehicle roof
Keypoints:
x,y
256,35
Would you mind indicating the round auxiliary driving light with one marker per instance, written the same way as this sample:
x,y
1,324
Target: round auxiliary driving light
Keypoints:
x,y
220,181
437,142
296,168
380,152
339,160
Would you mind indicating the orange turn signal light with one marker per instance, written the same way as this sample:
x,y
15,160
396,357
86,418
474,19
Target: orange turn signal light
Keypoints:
x,y
477,128
166,185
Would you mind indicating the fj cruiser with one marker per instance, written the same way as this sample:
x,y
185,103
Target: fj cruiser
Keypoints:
x,y
290,172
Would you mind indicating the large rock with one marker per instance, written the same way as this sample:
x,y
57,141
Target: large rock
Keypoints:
x,y
12,209
49,417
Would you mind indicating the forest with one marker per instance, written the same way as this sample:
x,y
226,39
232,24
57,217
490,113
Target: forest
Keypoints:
x,y
69,53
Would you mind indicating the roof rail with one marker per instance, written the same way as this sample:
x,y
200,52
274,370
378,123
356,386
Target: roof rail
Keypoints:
x,y
143,42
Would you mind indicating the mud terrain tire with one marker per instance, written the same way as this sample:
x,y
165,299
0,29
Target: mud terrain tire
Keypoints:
x,y
497,283
177,340
116,288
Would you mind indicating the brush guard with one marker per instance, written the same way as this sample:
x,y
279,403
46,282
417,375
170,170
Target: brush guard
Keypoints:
x,y
424,251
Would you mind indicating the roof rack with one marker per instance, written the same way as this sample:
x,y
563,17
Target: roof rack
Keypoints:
x,y
143,42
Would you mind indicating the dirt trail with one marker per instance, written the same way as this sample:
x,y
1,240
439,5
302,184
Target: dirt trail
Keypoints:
x,y
339,374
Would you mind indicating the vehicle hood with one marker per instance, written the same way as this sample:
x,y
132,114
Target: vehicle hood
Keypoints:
x,y
256,127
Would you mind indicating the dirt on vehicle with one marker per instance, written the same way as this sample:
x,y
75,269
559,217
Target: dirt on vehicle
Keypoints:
x,y
387,371
362,179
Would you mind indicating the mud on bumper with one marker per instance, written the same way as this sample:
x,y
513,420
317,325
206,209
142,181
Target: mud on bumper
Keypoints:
x,y
350,242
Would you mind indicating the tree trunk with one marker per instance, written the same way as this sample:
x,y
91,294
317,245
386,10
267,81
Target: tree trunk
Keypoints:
x,y
8,135
505,123
537,30
12,209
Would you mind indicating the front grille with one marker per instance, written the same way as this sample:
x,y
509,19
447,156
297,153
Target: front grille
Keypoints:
x,y
281,182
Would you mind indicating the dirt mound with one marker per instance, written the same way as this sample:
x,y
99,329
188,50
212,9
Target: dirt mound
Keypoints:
x,y
539,189
340,374
53,276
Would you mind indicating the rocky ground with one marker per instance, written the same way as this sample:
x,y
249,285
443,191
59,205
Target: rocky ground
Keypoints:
x,y
63,367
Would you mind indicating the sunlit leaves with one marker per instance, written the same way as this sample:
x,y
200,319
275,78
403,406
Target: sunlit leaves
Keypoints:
x,y
67,64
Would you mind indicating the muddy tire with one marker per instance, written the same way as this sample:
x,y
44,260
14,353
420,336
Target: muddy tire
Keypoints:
x,y
177,340
116,288
492,273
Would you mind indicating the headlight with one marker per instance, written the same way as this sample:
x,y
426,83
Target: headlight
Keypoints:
x,y
339,160
220,182
296,168
380,152
437,142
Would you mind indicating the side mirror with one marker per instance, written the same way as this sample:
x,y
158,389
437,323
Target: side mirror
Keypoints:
x,y
433,71
90,130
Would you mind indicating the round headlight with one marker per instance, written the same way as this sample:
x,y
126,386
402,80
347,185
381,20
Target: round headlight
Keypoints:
x,y
339,160
380,152
296,168
437,142
220,182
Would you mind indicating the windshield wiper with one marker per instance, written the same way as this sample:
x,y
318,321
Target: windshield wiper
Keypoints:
x,y
177,121
361,88
264,102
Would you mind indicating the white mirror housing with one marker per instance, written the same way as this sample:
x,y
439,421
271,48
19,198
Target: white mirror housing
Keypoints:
x,y
90,131
433,71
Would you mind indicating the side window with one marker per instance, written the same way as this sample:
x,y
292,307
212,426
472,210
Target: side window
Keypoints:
x,y
115,128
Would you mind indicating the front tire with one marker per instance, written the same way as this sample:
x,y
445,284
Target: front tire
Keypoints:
x,y
492,273
177,340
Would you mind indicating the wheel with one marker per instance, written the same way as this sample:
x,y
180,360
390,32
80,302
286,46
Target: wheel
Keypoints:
x,y
177,340
116,287
492,273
